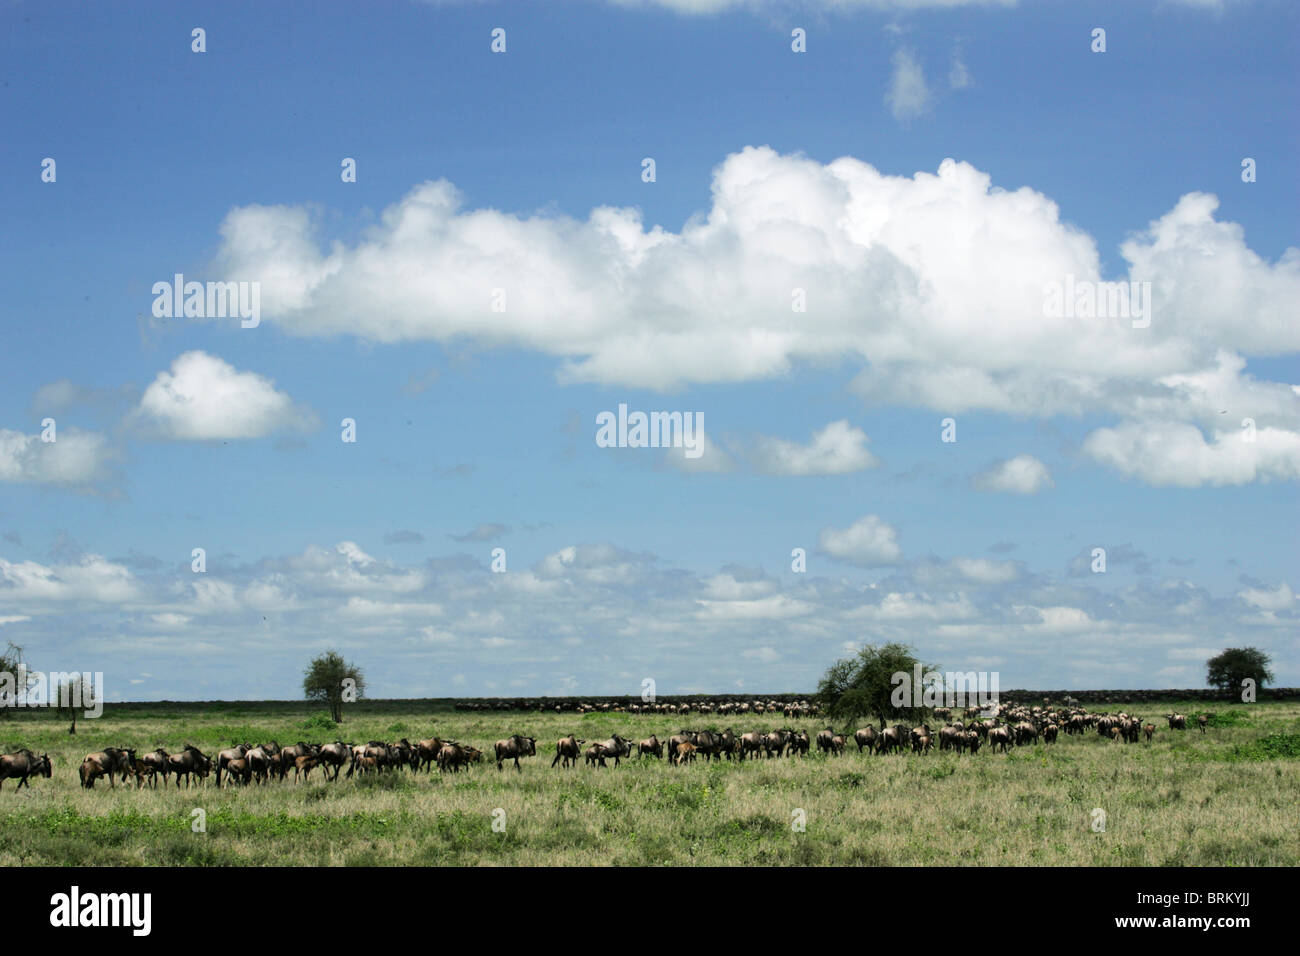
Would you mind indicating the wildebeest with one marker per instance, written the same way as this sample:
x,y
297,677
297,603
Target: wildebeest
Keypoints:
x,y
651,745
304,764
189,761
259,761
514,747
865,738
685,753
1177,721
454,756
23,764
289,756
799,744
1000,736
108,762
1150,730
1202,720
333,756
153,764
616,747
239,770
889,739
426,752
567,751
230,753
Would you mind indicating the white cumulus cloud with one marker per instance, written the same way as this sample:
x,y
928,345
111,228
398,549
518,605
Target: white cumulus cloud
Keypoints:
x,y
203,398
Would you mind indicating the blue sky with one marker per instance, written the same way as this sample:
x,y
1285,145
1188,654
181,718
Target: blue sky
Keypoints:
x,y
774,170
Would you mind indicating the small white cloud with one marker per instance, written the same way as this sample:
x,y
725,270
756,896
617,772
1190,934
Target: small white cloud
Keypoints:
x,y
908,95
73,458
1276,599
1173,453
203,398
1022,475
837,449
868,542
987,571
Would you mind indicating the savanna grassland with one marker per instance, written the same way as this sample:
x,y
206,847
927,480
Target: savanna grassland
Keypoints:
x,y
1230,797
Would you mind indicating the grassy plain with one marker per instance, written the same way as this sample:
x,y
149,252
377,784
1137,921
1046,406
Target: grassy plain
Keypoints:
x,y
1229,797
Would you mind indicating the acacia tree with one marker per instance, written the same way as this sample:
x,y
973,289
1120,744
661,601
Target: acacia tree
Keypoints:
x,y
14,679
333,681
1236,664
862,685
66,695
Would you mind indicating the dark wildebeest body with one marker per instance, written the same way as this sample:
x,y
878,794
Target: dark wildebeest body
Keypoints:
x,y
568,751
514,747
189,761
108,762
230,753
615,747
22,765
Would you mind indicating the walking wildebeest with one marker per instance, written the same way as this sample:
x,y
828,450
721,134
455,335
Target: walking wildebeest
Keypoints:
x,y
189,761
333,755
514,747
616,747
651,745
289,756
865,738
23,764
230,753
567,751
108,762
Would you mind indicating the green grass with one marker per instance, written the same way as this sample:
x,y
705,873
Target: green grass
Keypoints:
x,y
1226,797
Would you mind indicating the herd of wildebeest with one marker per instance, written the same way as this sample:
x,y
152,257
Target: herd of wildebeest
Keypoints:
x,y
1010,726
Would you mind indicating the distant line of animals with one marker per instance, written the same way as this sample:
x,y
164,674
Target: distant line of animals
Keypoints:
x,y
244,763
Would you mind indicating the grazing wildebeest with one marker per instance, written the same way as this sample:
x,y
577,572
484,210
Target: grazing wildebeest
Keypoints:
x,y
23,764
514,747
230,753
567,751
